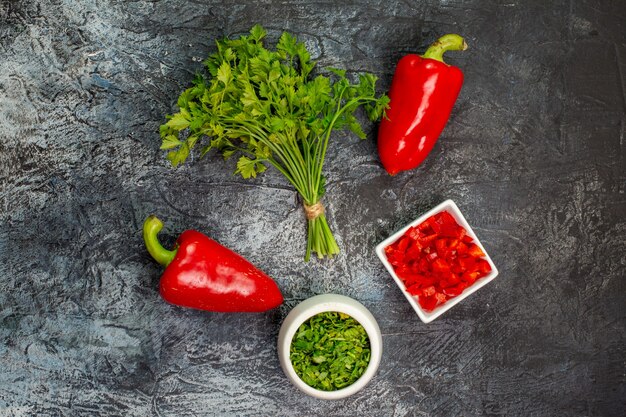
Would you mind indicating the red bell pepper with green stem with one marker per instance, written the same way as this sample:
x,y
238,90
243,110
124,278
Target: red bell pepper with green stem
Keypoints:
x,y
422,94
200,273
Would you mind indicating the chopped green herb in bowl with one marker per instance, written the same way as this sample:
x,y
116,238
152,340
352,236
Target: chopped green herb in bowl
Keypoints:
x,y
330,351
329,346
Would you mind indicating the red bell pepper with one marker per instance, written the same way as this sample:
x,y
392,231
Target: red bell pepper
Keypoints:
x,y
200,273
422,94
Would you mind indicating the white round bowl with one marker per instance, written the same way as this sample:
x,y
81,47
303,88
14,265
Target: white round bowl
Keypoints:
x,y
320,304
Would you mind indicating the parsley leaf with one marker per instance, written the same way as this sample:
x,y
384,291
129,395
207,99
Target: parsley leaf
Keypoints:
x,y
249,167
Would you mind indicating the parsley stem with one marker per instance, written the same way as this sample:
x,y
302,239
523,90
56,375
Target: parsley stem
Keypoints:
x,y
296,176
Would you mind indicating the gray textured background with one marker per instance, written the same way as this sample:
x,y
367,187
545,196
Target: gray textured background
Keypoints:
x,y
534,155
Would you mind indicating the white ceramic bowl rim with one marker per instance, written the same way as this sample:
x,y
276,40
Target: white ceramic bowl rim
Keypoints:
x,y
320,304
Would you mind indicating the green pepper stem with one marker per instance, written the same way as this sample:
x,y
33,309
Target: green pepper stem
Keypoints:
x,y
449,42
151,228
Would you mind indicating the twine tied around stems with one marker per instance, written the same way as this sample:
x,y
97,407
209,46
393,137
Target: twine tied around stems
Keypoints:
x,y
313,211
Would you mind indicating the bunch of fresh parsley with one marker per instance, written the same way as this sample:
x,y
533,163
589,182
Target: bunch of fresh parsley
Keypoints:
x,y
266,106
330,351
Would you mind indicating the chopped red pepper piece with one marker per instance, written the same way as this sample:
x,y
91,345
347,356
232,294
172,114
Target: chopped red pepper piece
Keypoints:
x,y
414,252
432,256
445,283
439,265
475,251
403,244
434,224
441,247
413,233
428,303
423,265
454,279
428,291
441,298
483,266
415,289
425,241
454,291
446,218
461,248
402,272
467,264
470,277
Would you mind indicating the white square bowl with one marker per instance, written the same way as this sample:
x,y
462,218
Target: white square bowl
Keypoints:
x,y
426,316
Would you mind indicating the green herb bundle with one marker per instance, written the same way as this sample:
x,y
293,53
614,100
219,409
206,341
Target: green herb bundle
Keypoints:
x,y
266,106
330,351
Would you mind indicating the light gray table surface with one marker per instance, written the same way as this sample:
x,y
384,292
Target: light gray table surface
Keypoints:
x,y
534,156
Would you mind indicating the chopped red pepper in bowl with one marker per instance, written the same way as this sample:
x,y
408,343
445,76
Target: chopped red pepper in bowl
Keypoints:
x,y
437,261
